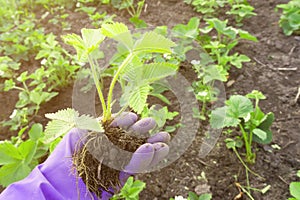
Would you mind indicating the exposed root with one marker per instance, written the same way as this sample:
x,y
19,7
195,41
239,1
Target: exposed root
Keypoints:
x,y
90,158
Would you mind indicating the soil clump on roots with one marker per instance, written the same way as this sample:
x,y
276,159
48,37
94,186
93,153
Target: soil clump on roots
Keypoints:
x,y
101,150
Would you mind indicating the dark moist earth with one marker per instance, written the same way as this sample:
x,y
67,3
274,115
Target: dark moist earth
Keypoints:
x,y
221,167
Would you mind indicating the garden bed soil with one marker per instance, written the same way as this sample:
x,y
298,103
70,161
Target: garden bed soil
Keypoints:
x,y
272,71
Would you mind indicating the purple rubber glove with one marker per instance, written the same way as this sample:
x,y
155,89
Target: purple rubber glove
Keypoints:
x,y
55,180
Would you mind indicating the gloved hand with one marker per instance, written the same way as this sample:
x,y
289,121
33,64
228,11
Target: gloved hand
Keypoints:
x,y
54,180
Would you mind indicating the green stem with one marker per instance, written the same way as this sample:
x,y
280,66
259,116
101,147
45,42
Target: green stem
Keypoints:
x,y
19,88
107,116
248,181
249,153
96,81
244,164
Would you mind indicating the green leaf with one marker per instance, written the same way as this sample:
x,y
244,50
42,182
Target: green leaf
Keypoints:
x,y
193,196
23,99
76,41
295,189
230,143
246,35
239,106
55,129
9,153
39,97
217,118
220,118
13,172
191,30
238,60
153,42
91,38
135,188
9,84
161,97
214,72
27,149
265,126
88,44
205,197
156,71
255,94
138,23
257,117
35,131
67,115
150,73
260,133
86,122
64,120
119,32
298,173
138,98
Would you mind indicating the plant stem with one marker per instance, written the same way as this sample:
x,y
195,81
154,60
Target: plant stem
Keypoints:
x,y
249,153
244,164
96,81
107,116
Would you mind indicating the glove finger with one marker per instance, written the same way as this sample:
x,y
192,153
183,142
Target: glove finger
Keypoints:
x,y
143,126
125,120
106,195
161,150
141,159
159,137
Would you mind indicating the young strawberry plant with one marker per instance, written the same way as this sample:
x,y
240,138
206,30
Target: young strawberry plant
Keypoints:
x,y
134,73
134,8
220,48
290,18
19,157
253,124
31,95
204,66
130,190
241,12
207,7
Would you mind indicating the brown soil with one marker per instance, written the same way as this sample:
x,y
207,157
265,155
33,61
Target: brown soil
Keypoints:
x,y
221,167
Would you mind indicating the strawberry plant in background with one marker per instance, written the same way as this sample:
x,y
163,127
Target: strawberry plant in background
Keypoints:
x,y
220,48
251,121
239,9
253,124
290,17
130,190
134,8
18,157
241,12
